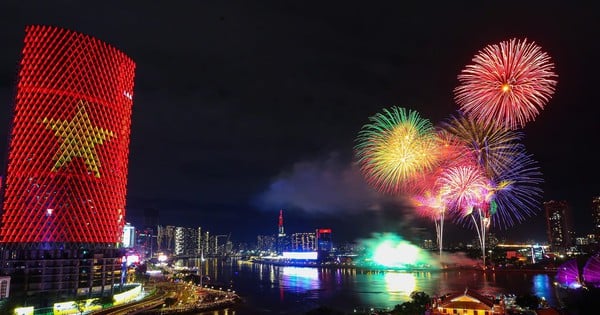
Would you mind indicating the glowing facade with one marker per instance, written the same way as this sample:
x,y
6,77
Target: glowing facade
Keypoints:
x,y
67,163
63,209
324,240
304,242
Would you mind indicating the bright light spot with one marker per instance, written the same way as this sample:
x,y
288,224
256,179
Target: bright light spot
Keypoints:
x,y
28,310
505,87
49,212
132,259
389,254
300,255
403,283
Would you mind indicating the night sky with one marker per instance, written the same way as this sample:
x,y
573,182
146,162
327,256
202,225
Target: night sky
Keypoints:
x,y
244,108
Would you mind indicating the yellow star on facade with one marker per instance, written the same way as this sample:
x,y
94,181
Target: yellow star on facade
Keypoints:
x,y
79,139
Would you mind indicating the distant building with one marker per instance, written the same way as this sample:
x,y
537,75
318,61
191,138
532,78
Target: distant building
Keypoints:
x,y
428,244
596,216
283,241
280,229
304,242
145,242
265,243
582,241
324,240
186,241
558,223
150,218
128,235
4,287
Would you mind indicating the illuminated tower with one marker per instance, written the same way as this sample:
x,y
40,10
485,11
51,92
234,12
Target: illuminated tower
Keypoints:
x,y
283,242
65,185
558,223
281,232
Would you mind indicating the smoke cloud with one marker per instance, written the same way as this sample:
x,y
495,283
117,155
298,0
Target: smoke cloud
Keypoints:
x,y
321,186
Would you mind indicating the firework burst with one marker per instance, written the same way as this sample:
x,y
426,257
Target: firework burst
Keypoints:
x,y
508,84
395,147
463,188
517,192
492,147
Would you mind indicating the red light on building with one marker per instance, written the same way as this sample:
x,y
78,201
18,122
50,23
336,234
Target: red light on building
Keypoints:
x,y
320,231
67,163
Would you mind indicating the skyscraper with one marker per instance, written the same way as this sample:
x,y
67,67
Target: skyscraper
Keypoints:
x,y
283,241
324,240
128,236
186,241
304,242
65,186
596,216
558,223
280,229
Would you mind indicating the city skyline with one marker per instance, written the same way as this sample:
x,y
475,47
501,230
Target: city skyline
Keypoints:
x,y
241,111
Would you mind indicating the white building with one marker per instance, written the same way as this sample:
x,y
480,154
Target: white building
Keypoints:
x,y
128,236
186,241
4,287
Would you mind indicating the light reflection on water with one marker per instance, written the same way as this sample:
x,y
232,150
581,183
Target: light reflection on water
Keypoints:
x,y
542,286
400,283
296,290
300,278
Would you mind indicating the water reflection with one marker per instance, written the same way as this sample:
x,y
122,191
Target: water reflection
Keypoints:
x,y
400,283
300,278
542,286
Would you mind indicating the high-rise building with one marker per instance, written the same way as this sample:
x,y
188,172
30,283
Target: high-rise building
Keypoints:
x,y
283,241
4,287
150,218
63,206
280,229
596,216
186,241
265,243
128,235
558,223
145,240
324,240
304,242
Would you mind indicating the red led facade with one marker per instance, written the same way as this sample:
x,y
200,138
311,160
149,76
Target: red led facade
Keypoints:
x,y
67,161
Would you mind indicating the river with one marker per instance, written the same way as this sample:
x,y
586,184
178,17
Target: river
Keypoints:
x,y
269,289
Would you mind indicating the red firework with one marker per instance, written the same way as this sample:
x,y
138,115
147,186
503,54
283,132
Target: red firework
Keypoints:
x,y
508,84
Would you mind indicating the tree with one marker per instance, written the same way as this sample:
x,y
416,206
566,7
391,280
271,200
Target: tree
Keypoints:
x,y
417,305
529,301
